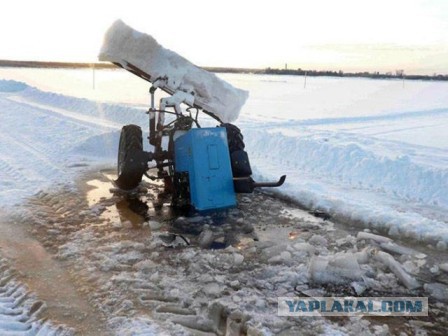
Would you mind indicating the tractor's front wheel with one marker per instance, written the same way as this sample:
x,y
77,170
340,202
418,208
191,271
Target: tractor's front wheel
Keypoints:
x,y
129,172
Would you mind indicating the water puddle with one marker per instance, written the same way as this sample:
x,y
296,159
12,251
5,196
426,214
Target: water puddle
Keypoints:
x,y
117,211
129,209
148,209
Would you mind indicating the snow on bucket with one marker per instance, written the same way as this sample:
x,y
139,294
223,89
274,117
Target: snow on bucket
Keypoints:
x,y
122,45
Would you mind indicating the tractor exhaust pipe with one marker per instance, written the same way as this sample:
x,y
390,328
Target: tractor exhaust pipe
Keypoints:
x,y
246,185
270,184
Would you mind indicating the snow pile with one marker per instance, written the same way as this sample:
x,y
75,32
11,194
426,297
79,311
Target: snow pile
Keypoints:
x,y
124,45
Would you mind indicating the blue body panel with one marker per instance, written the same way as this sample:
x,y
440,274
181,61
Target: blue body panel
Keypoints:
x,y
204,154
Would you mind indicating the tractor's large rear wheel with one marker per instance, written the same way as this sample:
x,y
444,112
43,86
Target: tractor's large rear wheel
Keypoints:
x,y
129,172
235,139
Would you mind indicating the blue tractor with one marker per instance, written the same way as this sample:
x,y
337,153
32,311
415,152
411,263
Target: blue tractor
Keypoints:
x,y
202,168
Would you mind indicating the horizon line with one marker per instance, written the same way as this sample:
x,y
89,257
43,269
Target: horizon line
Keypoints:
x,y
220,69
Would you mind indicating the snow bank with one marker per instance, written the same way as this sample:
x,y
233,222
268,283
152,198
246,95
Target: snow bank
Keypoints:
x,y
353,181
97,113
11,86
337,158
123,44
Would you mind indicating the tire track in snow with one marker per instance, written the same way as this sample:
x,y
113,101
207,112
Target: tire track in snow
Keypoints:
x,y
9,175
84,119
357,120
50,280
398,130
45,127
29,159
26,175
38,157
20,310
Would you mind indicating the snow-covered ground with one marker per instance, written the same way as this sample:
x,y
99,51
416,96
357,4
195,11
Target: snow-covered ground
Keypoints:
x,y
371,153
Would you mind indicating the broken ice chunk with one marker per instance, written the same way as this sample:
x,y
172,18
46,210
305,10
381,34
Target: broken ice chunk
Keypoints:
x,y
359,287
411,267
318,240
238,258
444,267
154,225
285,256
377,238
145,266
212,289
347,240
398,249
313,292
206,238
435,269
364,255
338,269
175,309
273,251
310,249
437,290
393,265
195,322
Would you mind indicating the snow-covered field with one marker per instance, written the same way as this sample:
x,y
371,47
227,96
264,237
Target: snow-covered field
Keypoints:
x,y
369,153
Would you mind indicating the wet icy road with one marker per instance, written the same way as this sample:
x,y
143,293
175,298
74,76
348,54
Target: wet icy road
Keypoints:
x,y
130,275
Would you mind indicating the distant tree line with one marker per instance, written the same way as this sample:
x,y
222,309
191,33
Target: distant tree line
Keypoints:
x,y
40,64
377,75
267,71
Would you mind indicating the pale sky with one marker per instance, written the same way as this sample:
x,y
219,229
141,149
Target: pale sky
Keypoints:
x,y
351,35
